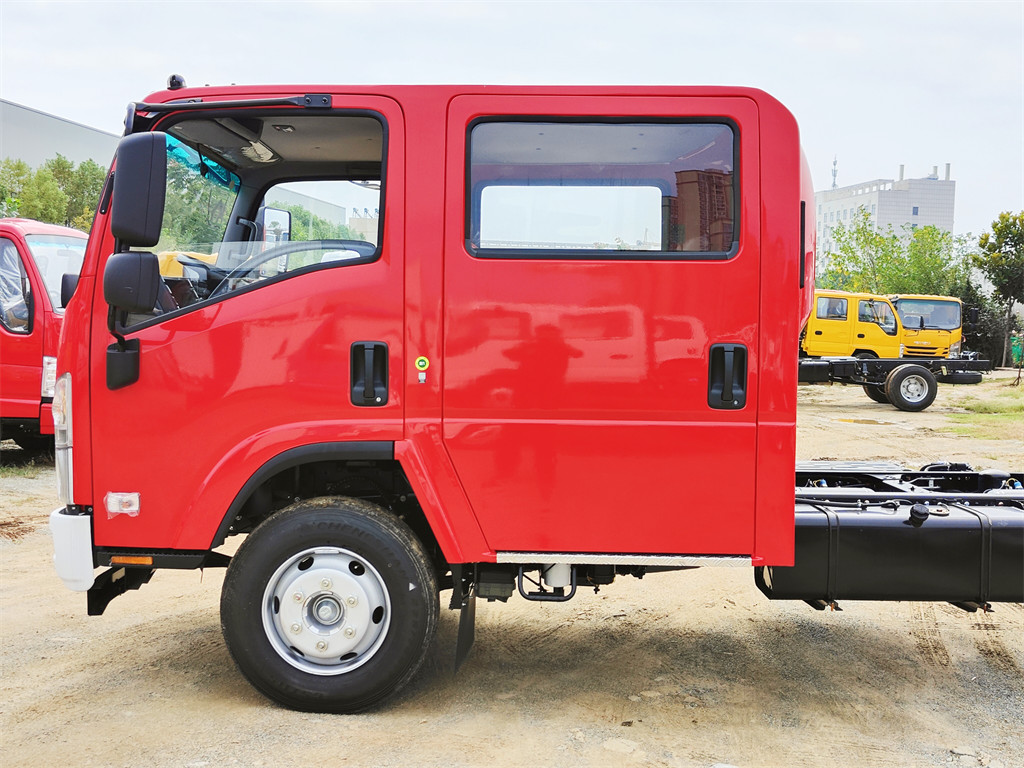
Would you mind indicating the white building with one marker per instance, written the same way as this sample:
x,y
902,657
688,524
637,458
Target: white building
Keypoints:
x,y
898,203
35,137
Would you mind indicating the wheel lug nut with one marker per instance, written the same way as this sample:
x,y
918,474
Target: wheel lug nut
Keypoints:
x,y
296,628
352,600
298,597
325,583
350,632
321,646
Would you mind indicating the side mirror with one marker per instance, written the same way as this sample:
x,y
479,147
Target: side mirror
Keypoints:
x,y
140,182
68,286
273,225
972,313
131,281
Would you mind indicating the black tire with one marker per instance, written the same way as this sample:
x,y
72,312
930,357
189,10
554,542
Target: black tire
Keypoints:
x,y
330,605
961,377
864,355
911,387
876,392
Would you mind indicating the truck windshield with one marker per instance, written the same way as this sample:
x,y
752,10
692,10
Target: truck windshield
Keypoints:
x,y
937,314
56,256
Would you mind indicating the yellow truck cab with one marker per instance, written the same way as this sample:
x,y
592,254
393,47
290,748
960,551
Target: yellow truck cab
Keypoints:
x,y
852,324
932,325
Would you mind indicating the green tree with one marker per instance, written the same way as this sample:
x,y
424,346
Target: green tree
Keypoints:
x,y
63,170
42,198
308,226
866,259
1001,260
81,184
14,175
863,256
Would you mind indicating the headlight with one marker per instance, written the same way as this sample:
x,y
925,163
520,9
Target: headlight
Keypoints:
x,y
49,375
62,438
954,349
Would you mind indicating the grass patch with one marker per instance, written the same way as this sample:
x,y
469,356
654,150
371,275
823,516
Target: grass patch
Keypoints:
x,y
998,415
999,400
27,470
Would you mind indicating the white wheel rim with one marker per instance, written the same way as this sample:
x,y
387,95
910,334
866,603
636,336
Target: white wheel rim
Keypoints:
x,y
914,389
326,611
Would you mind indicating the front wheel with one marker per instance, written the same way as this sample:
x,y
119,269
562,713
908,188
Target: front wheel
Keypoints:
x,y
330,605
911,387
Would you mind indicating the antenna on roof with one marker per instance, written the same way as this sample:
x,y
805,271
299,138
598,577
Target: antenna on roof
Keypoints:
x,y
835,170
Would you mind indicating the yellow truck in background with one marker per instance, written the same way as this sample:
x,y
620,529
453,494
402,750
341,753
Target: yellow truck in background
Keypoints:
x,y
852,325
868,326
932,325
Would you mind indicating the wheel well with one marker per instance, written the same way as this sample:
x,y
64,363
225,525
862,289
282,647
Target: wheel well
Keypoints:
x,y
376,480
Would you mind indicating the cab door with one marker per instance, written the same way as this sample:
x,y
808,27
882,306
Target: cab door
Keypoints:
x,y
600,321
877,329
830,329
255,348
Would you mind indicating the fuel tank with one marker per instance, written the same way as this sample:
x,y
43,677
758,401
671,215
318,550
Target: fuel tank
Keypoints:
x,y
880,532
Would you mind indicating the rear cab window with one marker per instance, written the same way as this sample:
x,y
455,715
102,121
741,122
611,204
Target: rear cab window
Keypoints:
x,y
585,188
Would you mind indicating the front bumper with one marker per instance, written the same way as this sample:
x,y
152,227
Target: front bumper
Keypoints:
x,y
72,548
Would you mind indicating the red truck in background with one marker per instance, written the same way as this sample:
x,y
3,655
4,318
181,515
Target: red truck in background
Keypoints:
x,y
34,257
568,352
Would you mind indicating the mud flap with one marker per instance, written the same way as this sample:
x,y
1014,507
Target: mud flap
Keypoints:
x,y
464,601
467,630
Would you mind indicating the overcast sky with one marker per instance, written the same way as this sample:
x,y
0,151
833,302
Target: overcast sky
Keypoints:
x,y
874,84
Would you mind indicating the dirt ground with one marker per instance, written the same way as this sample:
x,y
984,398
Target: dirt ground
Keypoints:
x,y
688,669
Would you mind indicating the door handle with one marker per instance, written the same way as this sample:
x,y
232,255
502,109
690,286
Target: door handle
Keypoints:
x,y
860,335
727,376
817,333
369,373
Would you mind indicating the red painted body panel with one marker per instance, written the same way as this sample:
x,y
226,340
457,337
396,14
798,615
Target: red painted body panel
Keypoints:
x,y
544,442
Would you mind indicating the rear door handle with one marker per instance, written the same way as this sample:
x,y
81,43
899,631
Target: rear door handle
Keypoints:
x,y
727,376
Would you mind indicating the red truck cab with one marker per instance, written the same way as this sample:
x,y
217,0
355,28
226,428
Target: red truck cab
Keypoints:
x,y
564,349
34,257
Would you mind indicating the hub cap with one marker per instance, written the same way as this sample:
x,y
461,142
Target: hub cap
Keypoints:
x,y
326,611
914,389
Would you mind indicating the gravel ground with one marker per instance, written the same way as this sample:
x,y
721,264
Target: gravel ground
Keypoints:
x,y
688,669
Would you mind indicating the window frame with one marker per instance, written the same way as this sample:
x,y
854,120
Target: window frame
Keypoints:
x,y
473,195
260,193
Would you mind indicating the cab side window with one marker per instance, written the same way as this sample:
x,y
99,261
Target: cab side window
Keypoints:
x,y
15,290
559,189
878,313
831,309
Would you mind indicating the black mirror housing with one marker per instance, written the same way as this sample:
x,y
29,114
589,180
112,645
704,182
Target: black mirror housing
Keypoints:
x,y
140,181
68,286
131,281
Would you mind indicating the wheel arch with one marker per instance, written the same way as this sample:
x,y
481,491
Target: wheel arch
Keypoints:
x,y
336,457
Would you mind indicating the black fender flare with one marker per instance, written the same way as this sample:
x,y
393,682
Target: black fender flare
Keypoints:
x,y
364,450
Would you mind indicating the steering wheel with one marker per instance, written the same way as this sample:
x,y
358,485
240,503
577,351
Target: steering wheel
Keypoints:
x,y
361,247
